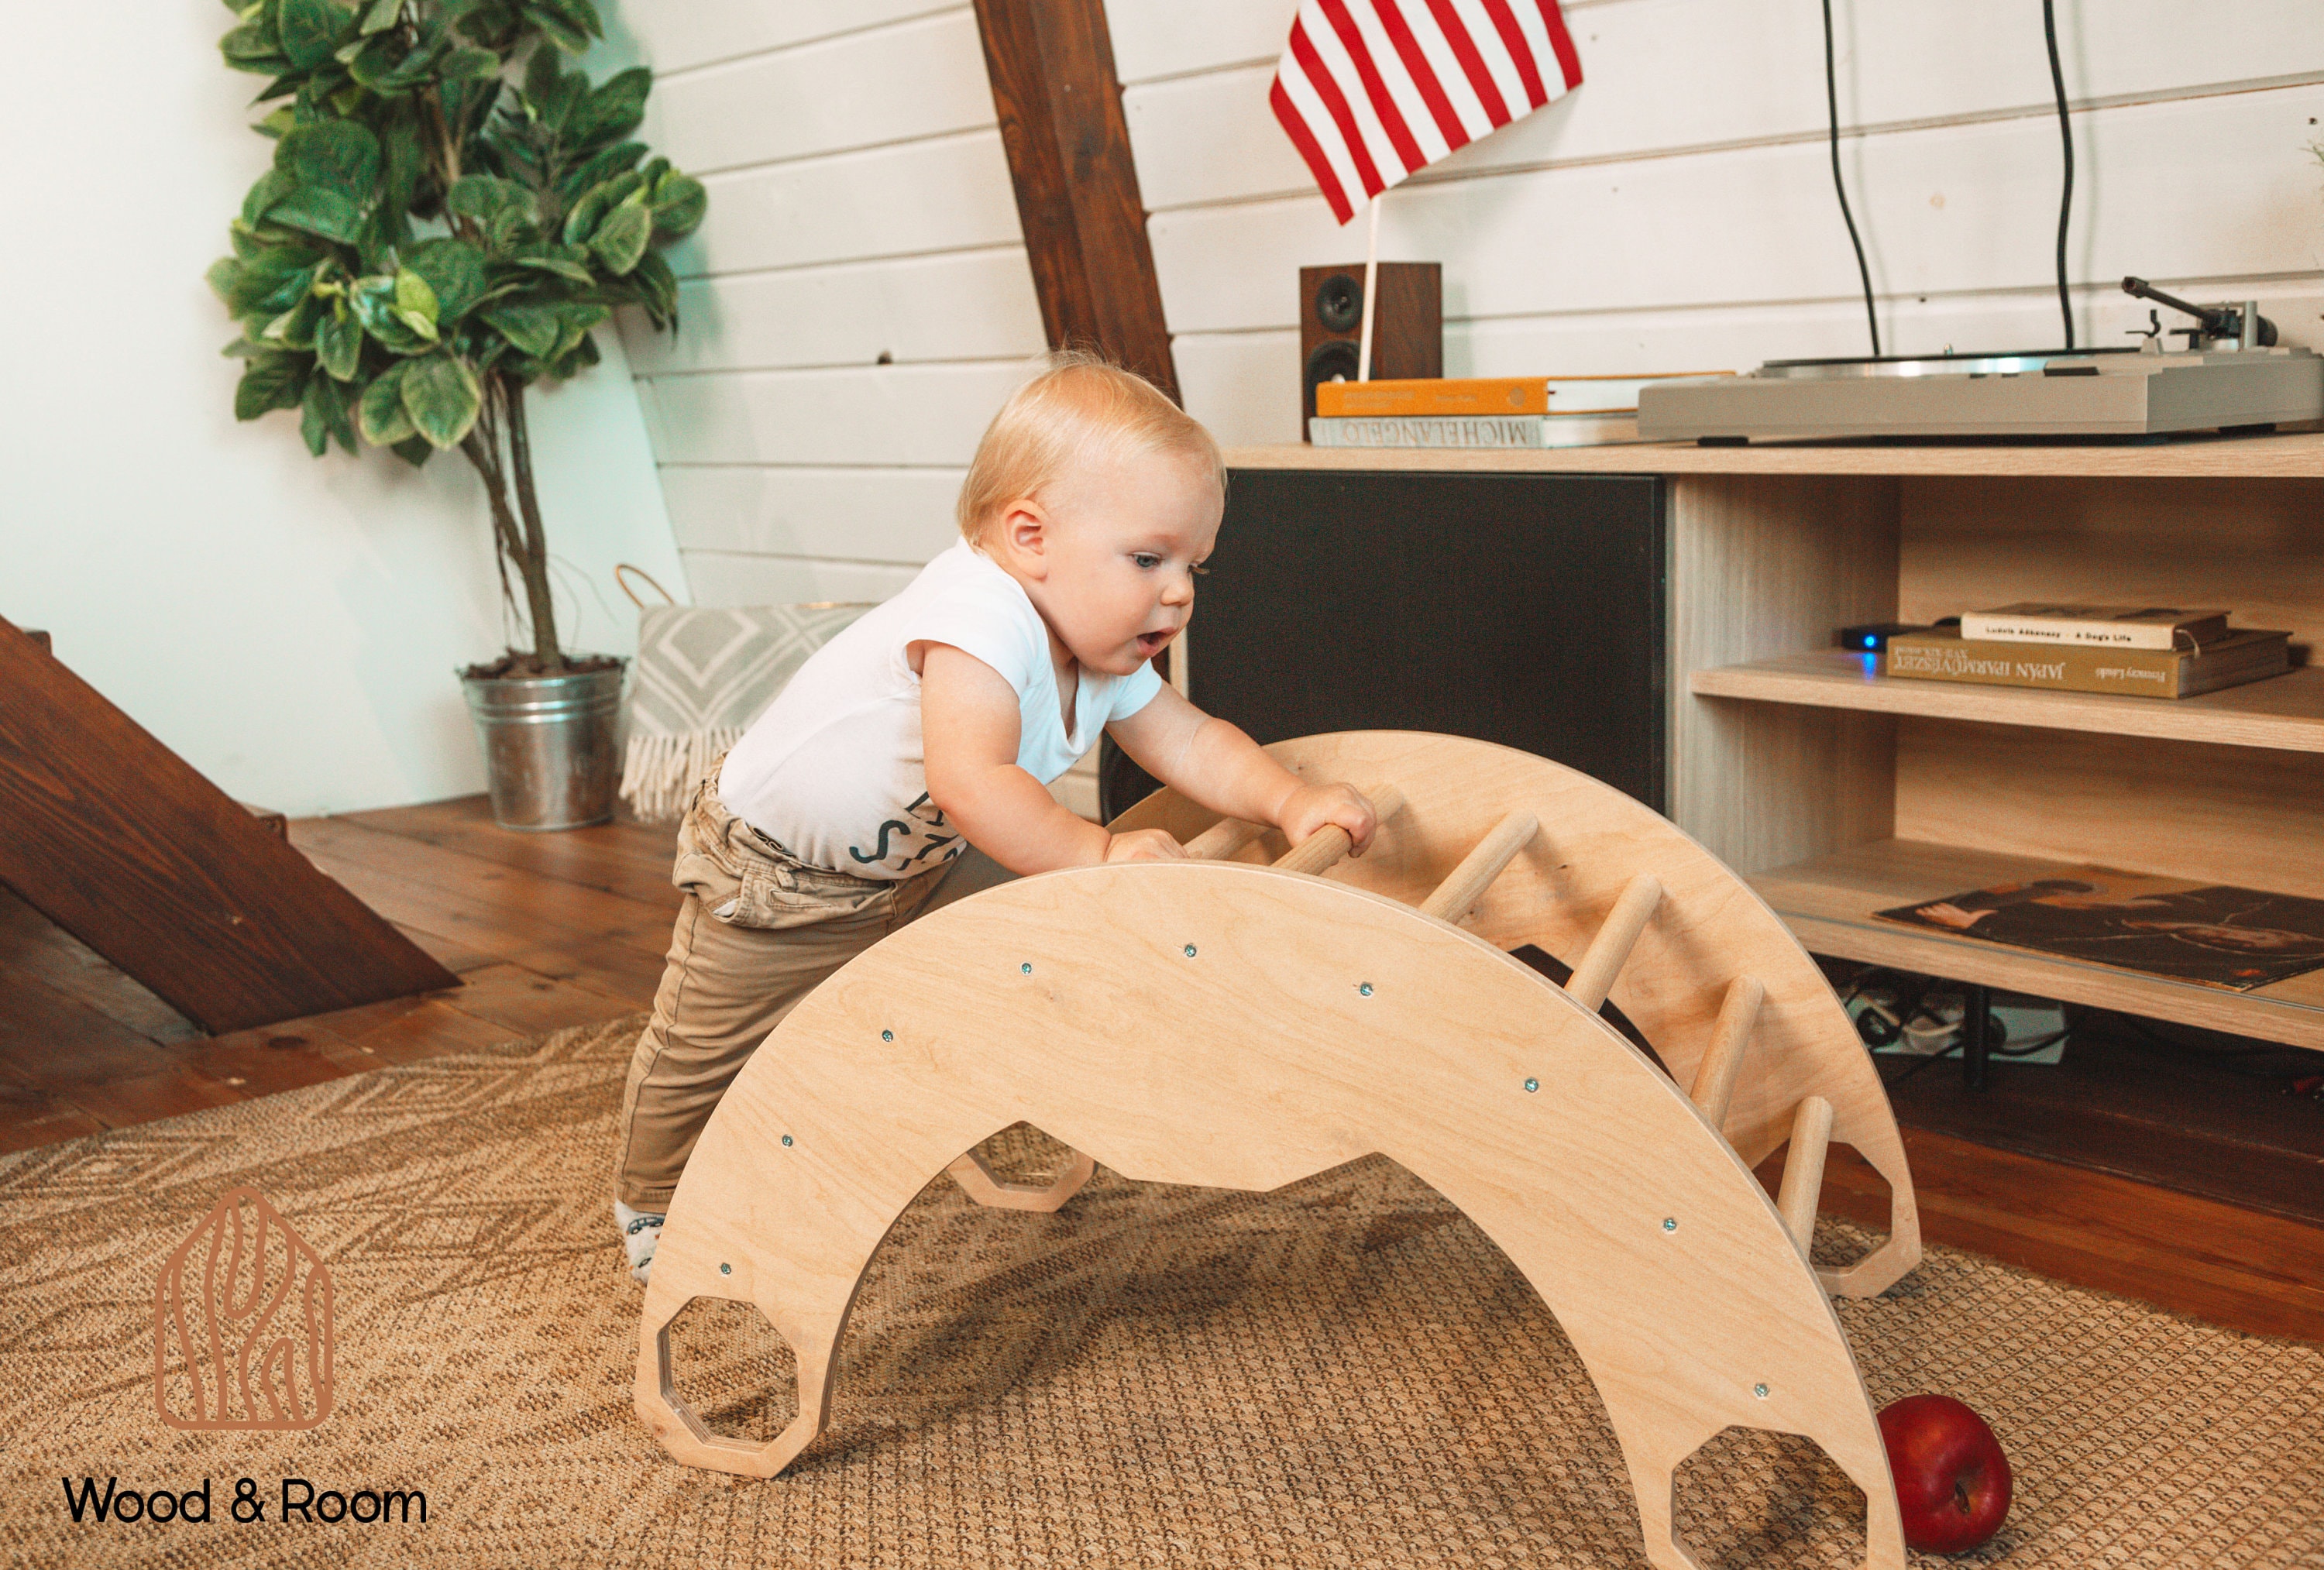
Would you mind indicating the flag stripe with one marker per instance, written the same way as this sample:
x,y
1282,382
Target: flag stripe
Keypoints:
x,y
1294,126
1373,91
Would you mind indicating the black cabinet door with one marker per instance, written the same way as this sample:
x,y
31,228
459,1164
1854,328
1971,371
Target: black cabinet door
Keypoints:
x,y
1522,609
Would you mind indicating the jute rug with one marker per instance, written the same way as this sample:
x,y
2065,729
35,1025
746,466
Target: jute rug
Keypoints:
x,y
1344,1373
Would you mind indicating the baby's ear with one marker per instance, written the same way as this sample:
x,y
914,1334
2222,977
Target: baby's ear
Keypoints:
x,y
1024,533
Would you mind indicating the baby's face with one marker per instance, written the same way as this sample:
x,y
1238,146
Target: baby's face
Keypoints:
x,y
1127,537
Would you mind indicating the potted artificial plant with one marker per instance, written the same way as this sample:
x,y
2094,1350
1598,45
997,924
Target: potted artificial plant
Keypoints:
x,y
451,212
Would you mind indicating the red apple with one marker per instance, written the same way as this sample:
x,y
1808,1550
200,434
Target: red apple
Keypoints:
x,y
1952,1480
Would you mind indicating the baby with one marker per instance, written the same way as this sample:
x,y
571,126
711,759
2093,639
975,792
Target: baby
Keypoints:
x,y
907,762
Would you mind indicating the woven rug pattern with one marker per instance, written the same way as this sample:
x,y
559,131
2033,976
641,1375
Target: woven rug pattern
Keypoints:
x,y
1341,1373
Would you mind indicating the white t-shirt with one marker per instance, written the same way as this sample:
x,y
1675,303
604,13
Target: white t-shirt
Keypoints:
x,y
834,770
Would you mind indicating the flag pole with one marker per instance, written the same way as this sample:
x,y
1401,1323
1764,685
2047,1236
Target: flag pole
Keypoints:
x,y
1371,277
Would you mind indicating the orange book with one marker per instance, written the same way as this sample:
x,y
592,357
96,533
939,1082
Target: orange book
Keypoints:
x,y
1489,396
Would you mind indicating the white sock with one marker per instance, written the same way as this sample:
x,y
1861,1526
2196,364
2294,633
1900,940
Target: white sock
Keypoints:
x,y
641,1231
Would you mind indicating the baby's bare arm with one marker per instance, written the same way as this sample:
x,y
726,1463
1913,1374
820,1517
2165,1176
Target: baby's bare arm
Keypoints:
x,y
969,734
1207,760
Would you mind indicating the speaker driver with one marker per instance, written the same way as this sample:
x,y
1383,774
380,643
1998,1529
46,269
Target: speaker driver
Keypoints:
x,y
1340,304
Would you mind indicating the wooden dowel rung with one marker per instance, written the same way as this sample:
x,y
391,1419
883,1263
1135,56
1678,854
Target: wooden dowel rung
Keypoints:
x,y
1804,1170
1714,1076
1324,850
1593,978
1468,882
1223,839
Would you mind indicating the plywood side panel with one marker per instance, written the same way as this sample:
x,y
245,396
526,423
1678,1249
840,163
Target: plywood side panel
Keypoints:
x,y
1666,75
2255,546
1766,566
869,514
2241,815
975,305
679,35
878,414
920,78
721,578
921,197
1947,207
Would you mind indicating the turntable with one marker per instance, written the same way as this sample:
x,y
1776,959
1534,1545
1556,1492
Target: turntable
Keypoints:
x,y
2232,376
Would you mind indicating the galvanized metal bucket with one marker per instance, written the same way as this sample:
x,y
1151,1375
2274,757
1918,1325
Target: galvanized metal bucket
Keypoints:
x,y
549,746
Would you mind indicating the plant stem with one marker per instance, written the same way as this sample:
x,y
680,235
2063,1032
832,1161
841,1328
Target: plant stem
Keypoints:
x,y
481,447
534,563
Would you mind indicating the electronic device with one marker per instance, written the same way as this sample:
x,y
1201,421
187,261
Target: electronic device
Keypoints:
x,y
2232,376
1872,637
1407,326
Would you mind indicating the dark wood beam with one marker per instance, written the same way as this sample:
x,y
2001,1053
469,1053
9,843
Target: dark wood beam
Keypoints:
x,y
119,841
1051,65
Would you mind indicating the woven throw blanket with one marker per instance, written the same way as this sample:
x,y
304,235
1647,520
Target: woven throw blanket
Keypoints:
x,y
702,676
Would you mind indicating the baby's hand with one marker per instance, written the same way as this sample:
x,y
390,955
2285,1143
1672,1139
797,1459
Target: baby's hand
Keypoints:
x,y
1312,807
1144,845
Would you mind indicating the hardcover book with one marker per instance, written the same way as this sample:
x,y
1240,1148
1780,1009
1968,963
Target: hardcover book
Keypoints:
x,y
2246,654
1486,395
2214,934
2159,627
1527,430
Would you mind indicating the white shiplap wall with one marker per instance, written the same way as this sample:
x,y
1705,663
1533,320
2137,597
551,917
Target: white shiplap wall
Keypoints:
x,y
857,303
1676,213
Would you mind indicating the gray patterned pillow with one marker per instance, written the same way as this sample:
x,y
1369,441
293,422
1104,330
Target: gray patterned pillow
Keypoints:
x,y
702,676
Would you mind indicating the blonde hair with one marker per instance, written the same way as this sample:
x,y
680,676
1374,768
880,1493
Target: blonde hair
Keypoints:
x,y
1079,408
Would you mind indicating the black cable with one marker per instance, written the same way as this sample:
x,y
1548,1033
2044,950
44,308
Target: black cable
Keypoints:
x,y
1831,100
2066,139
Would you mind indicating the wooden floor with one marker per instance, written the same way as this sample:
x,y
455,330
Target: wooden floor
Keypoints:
x,y
546,931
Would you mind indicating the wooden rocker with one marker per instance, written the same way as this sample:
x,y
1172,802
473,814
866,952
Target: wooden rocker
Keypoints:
x,y
1231,1023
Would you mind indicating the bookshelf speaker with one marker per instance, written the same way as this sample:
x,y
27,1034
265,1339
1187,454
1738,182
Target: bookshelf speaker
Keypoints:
x,y
1408,328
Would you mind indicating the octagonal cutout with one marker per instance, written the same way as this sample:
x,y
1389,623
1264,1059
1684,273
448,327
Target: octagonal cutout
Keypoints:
x,y
1751,1497
731,1371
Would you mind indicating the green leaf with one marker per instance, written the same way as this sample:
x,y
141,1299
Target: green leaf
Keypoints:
x,y
469,65
379,58
373,301
678,203
271,281
295,328
657,290
309,30
558,30
271,381
319,210
442,397
414,296
500,206
541,74
622,238
223,277
382,16
453,272
535,329
612,109
414,451
601,166
251,47
380,412
325,414
275,125
582,222
338,155
338,344
564,267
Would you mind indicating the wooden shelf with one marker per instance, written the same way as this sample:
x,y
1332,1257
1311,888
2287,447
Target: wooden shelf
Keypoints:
x,y
2205,455
1830,903
2286,712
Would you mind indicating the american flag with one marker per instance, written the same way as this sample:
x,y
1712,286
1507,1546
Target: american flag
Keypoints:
x,y
1373,90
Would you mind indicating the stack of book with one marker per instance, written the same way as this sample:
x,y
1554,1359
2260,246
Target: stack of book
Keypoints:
x,y
1504,411
2142,651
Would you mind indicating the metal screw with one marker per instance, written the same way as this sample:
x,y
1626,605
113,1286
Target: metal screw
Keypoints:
x,y
1026,967
787,1138
887,1035
1365,989
1532,1085
725,1270
1190,950
1760,1391
1670,1224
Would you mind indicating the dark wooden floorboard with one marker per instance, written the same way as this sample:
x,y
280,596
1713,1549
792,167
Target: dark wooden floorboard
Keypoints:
x,y
548,930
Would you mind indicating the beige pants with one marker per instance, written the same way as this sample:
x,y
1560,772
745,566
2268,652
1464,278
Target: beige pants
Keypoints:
x,y
758,931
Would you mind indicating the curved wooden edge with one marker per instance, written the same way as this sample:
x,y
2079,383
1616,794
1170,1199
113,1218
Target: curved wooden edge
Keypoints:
x,y
1551,1134
1709,929
976,1176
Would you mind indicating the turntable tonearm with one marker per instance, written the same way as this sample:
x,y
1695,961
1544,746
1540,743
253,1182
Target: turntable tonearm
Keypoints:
x,y
2232,375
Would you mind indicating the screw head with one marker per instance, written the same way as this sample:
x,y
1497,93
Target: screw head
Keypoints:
x,y
887,1035
1760,1391
1670,1224
1026,967
725,1270
1190,950
1532,1085
1365,989
787,1138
